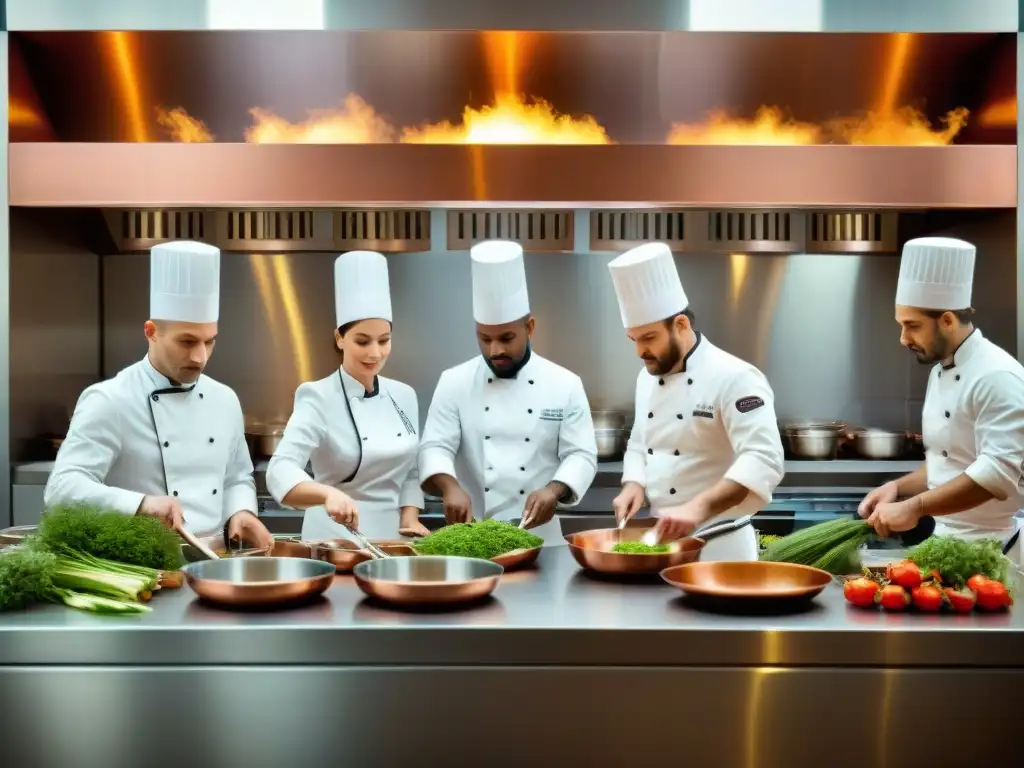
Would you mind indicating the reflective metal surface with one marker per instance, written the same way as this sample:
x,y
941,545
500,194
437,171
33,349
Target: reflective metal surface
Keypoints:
x,y
752,15
258,581
290,175
283,547
748,581
6,517
428,579
593,551
345,554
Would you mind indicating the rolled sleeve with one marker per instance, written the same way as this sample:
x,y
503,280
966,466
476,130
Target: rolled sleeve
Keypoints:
x,y
442,434
302,435
92,445
577,447
239,485
748,413
634,463
998,410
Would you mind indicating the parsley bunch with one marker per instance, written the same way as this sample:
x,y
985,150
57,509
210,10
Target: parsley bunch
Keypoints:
x,y
958,559
483,540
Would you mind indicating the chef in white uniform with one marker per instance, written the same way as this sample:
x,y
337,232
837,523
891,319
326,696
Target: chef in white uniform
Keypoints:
x,y
705,442
161,438
357,428
972,481
509,434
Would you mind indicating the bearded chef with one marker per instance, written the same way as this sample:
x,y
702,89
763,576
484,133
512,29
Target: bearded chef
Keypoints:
x,y
508,434
357,428
160,438
972,481
705,442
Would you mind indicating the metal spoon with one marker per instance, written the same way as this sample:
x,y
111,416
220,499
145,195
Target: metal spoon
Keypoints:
x,y
375,552
710,530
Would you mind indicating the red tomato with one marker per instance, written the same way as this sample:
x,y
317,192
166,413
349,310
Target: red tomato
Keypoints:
x,y
960,600
993,596
976,581
893,598
905,574
928,598
861,592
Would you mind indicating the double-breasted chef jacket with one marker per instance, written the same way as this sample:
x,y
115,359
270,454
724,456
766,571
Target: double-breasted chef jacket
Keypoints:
x,y
973,423
714,419
367,449
503,438
139,434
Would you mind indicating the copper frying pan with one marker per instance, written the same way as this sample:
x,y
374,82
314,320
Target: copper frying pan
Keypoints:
x,y
748,580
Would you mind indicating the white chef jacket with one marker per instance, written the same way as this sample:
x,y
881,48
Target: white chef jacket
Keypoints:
x,y
377,442
503,438
140,435
714,419
973,423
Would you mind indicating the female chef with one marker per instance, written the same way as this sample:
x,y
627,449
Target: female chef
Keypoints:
x,y
358,429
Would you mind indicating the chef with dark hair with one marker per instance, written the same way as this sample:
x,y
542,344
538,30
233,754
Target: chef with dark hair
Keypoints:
x,y
972,481
508,434
705,442
161,438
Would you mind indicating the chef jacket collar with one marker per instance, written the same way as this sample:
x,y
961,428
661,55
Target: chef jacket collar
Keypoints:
x,y
963,353
691,357
161,382
354,389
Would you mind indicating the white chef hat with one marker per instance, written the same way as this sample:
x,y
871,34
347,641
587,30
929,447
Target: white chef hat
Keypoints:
x,y
647,285
936,273
184,282
499,282
361,289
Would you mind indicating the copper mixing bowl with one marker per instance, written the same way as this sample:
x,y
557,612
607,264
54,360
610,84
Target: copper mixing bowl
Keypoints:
x,y
259,581
748,580
592,550
345,554
428,579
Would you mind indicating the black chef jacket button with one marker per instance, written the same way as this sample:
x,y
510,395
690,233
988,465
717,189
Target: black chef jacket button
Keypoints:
x,y
521,493
945,455
676,452
661,382
650,451
947,414
527,439
399,434
211,439
174,493
531,381
679,415
487,407
214,491
364,439
490,381
689,381
650,415
529,410
958,377
156,398
487,490
166,444
487,437
200,395
522,469
672,490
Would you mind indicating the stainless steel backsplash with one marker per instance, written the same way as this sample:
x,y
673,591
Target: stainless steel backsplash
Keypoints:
x,y
820,327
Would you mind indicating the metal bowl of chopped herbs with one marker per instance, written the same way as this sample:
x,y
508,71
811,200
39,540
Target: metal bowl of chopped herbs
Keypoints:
x,y
500,542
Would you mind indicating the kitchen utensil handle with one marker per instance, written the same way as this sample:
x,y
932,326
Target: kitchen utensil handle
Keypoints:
x,y
721,528
375,552
197,544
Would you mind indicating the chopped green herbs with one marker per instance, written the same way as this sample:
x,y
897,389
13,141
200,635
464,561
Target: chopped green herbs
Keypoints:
x,y
483,540
958,559
639,548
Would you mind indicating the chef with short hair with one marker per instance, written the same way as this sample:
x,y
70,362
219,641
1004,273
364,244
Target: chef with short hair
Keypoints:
x,y
508,434
972,481
161,438
705,441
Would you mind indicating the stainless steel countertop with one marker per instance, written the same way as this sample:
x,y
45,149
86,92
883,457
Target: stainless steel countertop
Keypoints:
x,y
552,615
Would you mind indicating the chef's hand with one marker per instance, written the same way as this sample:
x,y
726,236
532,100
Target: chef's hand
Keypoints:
x,y
248,529
894,517
409,523
883,494
457,506
680,521
341,509
166,509
540,507
628,502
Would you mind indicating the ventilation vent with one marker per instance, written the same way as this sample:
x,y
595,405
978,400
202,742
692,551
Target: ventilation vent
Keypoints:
x,y
390,231
621,230
274,231
534,230
139,230
852,232
755,231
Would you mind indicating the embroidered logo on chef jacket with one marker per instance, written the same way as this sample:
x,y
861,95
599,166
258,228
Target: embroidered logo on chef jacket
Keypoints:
x,y
552,414
406,421
749,403
704,410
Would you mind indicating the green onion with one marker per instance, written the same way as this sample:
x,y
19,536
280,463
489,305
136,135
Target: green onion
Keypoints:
x,y
830,545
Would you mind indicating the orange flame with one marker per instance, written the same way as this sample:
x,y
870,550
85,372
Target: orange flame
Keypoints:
x,y
511,120
22,115
999,114
768,127
355,123
905,126
182,127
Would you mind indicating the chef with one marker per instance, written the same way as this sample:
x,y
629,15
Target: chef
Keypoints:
x,y
705,442
357,428
161,438
509,433
972,481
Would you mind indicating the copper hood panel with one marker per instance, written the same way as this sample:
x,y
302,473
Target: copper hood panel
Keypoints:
x,y
269,175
